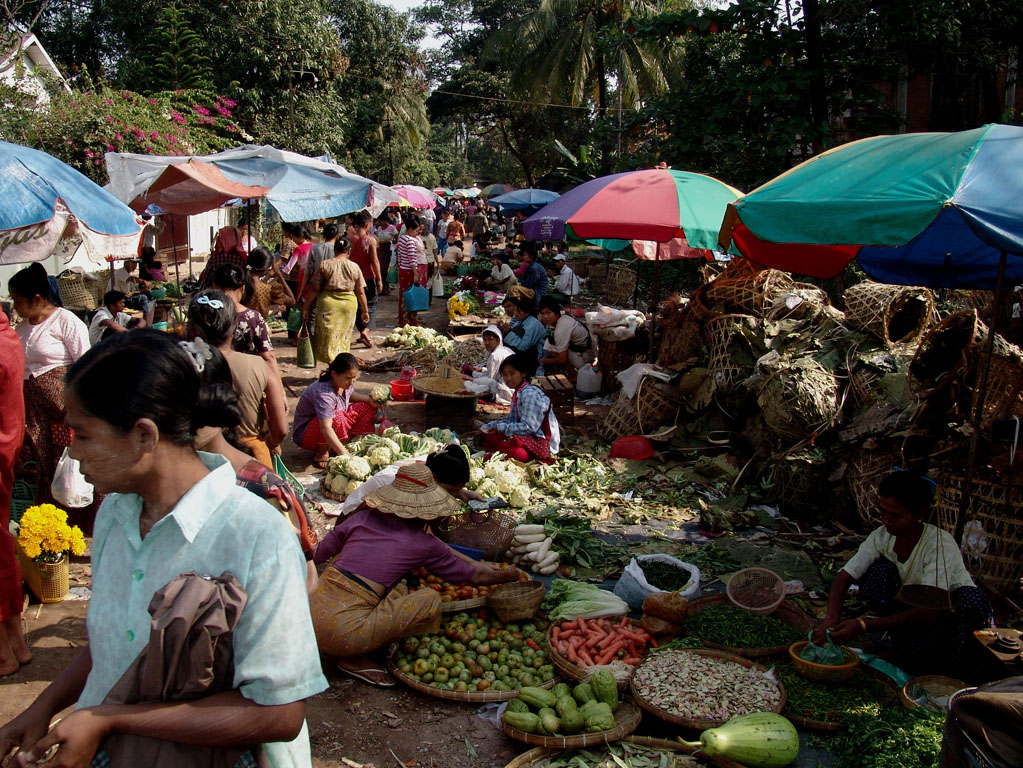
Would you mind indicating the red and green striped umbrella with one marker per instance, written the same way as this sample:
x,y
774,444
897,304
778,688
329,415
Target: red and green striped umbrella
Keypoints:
x,y
657,204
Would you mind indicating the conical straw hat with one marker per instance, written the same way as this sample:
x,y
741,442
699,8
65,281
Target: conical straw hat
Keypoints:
x,y
413,494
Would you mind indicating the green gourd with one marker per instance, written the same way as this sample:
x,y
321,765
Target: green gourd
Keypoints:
x,y
565,703
759,740
605,688
549,721
583,693
517,705
524,721
537,698
572,722
561,689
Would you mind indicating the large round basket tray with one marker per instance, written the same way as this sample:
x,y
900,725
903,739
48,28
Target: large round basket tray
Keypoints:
x,y
329,494
475,697
935,685
536,757
823,673
627,720
427,385
787,612
833,726
569,669
696,724
473,602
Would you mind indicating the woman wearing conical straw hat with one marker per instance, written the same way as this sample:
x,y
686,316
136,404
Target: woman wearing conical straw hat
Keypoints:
x,y
361,604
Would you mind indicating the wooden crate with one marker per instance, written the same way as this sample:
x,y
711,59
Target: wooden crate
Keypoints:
x,y
561,391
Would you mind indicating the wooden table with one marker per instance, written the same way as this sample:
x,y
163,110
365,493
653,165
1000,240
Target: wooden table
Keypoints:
x,y
559,388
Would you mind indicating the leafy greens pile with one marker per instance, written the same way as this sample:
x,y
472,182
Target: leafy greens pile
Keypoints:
x,y
568,599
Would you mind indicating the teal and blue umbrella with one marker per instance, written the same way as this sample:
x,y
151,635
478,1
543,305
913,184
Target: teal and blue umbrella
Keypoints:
x,y
43,200
936,209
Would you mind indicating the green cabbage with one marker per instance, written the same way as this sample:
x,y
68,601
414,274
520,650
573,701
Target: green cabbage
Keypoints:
x,y
568,599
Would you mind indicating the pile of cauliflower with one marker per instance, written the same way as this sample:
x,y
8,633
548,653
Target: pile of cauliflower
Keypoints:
x,y
373,452
418,337
500,477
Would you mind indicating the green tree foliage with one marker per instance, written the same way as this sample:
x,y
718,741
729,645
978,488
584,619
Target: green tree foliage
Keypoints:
x,y
81,126
174,57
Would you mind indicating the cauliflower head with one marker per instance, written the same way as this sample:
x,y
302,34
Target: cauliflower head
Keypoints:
x,y
380,456
519,497
352,486
357,468
488,489
476,476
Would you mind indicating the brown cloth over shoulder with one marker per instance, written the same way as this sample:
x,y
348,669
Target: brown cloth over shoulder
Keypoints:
x,y
992,716
190,655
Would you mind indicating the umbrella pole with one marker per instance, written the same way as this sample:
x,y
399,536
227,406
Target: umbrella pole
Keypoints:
x,y
977,412
656,298
174,250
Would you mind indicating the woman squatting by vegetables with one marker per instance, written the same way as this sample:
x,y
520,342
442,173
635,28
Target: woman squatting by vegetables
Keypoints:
x,y
171,511
330,411
361,605
531,429
905,550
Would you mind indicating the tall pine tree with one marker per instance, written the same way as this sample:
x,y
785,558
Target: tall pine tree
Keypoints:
x,y
174,58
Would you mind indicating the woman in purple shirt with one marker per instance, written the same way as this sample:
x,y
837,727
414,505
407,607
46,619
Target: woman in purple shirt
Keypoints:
x,y
361,604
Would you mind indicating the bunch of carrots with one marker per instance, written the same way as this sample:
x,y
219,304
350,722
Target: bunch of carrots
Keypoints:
x,y
600,641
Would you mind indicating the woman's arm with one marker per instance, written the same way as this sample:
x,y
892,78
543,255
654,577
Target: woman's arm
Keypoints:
x,y
287,297
487,574
30,726
225,719
555,358
333,441
375,261
836,598
277,410
360,294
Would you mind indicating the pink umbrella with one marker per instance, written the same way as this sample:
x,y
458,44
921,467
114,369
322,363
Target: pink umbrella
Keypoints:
x,y
416,197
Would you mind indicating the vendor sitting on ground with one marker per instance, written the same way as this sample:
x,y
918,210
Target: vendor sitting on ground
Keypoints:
x,y
907,551
530,431
490,371
567,284
360,605
501,276
572,346
453,256
526,334
330,411
111,318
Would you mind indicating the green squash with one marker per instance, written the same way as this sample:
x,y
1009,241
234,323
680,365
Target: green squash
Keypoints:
x,y
759,740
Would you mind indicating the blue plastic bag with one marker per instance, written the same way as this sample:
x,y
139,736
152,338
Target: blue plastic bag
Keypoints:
x,y
417,299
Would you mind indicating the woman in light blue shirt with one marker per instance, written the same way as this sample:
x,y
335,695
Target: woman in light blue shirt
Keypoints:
x,y
173,511
528,333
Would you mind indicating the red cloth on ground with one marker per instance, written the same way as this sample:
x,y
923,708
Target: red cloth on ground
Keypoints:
x,y
357,420
405,281
519,447
12,430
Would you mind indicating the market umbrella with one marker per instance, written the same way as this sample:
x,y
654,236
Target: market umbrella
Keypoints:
x,y
194,187
492,190
656,204
414,197
527,201
43,200
443,191
935,209
468,192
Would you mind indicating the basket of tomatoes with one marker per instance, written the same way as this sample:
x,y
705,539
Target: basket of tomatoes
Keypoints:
x,y
459,597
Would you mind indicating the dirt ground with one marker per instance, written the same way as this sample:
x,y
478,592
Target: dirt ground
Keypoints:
x,y
351,721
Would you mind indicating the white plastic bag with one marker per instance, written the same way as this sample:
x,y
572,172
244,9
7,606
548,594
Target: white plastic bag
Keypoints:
x,y
69,487
438,286
633,587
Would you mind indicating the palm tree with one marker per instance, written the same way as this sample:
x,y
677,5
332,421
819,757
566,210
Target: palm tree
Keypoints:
x,y
572,48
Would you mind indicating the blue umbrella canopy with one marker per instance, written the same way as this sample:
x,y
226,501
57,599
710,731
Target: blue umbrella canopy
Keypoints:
x,y
42,199
524,200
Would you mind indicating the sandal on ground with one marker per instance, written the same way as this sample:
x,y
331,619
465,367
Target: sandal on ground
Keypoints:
x,y
358,674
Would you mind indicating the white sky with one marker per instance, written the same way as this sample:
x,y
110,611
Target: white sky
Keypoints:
x,y
405,5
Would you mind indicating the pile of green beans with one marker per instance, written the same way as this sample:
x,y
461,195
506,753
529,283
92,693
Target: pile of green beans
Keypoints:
x,y
735,627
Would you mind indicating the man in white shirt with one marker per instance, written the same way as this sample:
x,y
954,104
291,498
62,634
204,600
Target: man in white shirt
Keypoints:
x,y
567,283
124,279
153,229
110,317
442,231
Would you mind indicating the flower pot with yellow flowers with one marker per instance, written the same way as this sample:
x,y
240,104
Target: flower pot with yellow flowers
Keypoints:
x,y
45,542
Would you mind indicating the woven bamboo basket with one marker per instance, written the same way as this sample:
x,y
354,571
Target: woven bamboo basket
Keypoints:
x,y
698,309
680,344
539,757
758,590
598,276
581,267
698,724
570,669
489,531
787,611
475,697
656,404
813,301
73,293
993,552
621,420
749,293
620,285
863,381
1004,395
518,601
48,581
718,333
733,268
799,402
613,357
822,673
800,483
627,719
98,289
944,353
935,685
866,470
895,314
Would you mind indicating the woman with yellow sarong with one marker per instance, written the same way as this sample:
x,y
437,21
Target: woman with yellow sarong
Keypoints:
x,y
339,290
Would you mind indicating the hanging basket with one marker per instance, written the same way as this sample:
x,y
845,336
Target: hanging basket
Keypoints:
x,y
749,293
620,285
718,333
47,581
895,314
993,546
489,531
866,470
